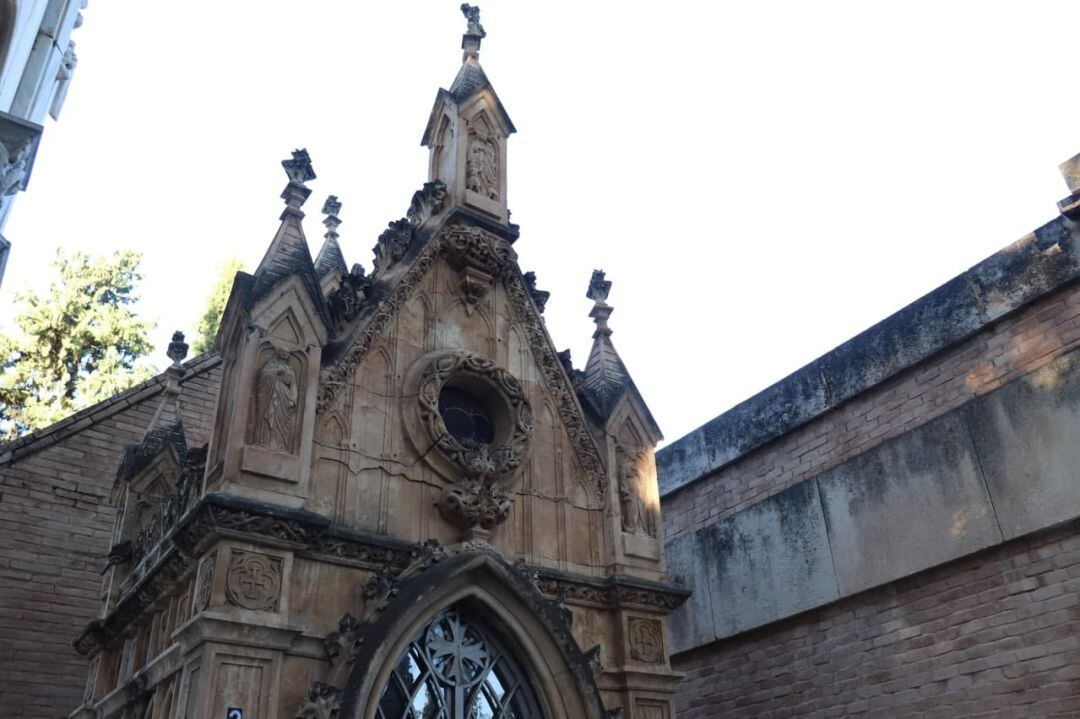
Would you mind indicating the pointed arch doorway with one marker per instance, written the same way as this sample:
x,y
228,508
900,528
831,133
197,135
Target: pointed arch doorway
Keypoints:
x,y
467,636
456,667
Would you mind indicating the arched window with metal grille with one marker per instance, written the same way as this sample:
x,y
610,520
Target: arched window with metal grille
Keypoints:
x,y
456,668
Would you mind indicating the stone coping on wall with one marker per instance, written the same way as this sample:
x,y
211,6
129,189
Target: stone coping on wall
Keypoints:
x,y
1004,282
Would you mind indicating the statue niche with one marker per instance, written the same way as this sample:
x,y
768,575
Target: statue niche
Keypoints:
x,y
481,166
637,516
276,403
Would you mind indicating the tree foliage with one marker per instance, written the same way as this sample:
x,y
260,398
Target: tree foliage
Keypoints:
x,y
215,306
77,344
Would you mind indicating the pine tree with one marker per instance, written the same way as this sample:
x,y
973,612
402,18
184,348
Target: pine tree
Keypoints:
x,y
76,345
215,306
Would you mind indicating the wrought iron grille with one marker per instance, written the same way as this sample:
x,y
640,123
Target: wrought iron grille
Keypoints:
x,y
455,669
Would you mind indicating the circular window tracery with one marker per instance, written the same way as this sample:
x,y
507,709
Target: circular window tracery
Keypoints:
x,y
475,414
465,416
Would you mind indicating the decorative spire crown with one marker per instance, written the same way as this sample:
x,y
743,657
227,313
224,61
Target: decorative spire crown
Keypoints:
x,y
598,293
474,33
178,349
331,208
299,171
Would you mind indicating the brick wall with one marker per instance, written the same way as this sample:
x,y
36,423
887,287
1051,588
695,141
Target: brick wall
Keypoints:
x,y
55,525
994,634
1005,350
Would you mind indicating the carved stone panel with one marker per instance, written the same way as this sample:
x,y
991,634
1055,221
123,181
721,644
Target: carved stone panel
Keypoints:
x,y
637,516
204,583
481,166
275,403
253,581
646,640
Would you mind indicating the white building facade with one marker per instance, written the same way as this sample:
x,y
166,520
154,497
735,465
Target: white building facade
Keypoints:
x,y
37,60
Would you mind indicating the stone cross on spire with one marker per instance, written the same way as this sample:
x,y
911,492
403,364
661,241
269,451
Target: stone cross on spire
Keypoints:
x,y
299,171
598,293
474,33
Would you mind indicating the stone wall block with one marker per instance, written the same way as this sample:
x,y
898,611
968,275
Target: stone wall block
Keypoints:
x,y
1027,435
691,625
906,505
768,562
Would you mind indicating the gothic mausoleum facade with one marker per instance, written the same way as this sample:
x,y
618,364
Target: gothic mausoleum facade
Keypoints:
x,y
386,495
409,503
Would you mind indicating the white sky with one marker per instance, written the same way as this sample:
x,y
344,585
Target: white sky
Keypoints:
x,y
761,180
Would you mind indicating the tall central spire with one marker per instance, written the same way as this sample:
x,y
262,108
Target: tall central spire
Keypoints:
x,y
467,132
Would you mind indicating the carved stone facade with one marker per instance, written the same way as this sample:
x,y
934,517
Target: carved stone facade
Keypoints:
x,y
401,470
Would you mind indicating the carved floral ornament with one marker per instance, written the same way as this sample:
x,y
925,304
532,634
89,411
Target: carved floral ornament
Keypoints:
x,y
477,461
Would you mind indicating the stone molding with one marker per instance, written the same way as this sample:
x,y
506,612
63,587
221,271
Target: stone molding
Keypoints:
x,y
220,515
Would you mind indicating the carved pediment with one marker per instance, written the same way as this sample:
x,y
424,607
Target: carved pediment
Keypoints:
x,y
472,250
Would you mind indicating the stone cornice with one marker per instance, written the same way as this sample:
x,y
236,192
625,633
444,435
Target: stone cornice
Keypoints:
x,y
224,515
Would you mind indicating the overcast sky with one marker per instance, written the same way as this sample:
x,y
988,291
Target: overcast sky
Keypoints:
x,y
761,180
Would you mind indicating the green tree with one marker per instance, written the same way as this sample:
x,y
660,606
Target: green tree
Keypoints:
x,y
215,306
79,343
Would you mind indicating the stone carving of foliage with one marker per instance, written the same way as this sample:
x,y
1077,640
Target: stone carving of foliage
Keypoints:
x,y
277,393
253,581
426,202
321,702
646,640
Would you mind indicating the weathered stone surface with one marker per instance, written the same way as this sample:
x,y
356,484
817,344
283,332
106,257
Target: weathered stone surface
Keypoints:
x,y
755,567
768,562
906,505
1028,439
691,625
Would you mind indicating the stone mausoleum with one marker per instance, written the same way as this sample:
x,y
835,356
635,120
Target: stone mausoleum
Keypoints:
x,y
385,495
409,504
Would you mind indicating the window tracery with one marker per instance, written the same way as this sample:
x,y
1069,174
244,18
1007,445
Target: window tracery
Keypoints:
x,y
456,669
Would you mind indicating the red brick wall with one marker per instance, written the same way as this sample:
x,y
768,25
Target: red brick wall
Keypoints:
x,y
1006,349
996,634
55,525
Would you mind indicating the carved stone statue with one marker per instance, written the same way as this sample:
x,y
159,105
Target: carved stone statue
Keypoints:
x,y
472,15
276,394
636,516
481,174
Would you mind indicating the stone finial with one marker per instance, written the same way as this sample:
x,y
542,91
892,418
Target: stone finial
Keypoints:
x,y
598,287
178,349
331,208
598,293
472,15
300,171
299,168
474,33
